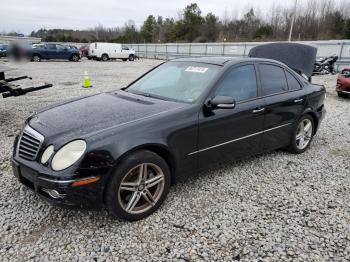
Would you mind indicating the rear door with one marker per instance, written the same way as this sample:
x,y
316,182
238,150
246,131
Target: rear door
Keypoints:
x,y
284,99
226,134
50,51
63,52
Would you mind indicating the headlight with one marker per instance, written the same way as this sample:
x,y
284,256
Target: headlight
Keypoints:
x,y
68,155
47,154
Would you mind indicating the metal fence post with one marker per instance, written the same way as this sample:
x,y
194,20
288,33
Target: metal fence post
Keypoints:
x,y
166,51
206,49
189,51
340,53
146,50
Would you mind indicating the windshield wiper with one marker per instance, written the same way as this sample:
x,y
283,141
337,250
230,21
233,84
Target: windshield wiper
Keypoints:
x,y
149,95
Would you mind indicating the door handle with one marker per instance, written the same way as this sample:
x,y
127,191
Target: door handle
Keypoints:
x,y
298,100
258,110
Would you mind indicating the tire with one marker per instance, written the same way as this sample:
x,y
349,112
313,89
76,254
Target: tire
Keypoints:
x,y
36,58
126,185
131,57
104,57
300,141
74,58
124,59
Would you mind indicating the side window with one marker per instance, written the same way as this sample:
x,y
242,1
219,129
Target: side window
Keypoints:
x,y
239,83
51,46
273,79
60,47
125,47
292,82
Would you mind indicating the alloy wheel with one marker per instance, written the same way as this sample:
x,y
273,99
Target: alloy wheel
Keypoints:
x,y
141,188
36,58
304,134
75,58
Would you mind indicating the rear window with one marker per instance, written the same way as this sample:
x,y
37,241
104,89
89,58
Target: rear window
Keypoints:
x,y
273,79
346,72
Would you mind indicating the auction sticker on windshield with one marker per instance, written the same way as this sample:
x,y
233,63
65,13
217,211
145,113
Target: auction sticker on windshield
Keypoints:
x,y
196,69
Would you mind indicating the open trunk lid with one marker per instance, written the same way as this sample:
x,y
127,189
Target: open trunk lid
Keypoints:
x,y
299,57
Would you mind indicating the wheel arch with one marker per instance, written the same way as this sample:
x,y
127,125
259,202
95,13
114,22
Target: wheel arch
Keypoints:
x,y
37,54
310,112
157,148
74,54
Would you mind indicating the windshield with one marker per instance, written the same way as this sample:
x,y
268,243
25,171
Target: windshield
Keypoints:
x,y
177,81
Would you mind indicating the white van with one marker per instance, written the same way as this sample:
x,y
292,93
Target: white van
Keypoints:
x,y
106,51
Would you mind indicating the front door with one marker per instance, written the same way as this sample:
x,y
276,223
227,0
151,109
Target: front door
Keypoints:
x,y
226,134
125,52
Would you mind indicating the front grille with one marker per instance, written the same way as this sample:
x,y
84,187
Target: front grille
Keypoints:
x,y
29,143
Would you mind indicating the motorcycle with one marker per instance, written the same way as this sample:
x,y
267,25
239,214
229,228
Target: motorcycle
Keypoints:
x,y
325,66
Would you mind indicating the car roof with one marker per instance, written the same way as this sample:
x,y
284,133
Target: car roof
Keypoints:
x,y
222,60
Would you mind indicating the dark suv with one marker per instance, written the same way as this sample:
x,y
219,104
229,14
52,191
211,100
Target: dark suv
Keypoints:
x,y
52,51
3,50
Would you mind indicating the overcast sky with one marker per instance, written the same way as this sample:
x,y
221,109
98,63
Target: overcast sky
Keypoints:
x,y
25,16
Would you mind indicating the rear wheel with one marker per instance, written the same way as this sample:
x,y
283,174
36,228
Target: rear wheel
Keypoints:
x,y
131,57
139,186
104,57
302,135
36,58
75,58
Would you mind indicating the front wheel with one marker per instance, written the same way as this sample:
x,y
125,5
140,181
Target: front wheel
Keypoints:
x,y
36,58
302,135
138,186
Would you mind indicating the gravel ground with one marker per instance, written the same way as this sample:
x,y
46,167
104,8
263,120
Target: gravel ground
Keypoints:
x,y
275,206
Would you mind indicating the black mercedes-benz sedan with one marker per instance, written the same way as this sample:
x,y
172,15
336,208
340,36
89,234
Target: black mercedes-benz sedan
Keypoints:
x,y
122,150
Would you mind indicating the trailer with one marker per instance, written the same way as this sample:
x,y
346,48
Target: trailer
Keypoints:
x,y
8,88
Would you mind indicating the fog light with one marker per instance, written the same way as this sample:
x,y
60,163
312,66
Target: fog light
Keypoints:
x,y
53,193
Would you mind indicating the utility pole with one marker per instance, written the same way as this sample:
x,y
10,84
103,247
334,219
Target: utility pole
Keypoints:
x,y
292,23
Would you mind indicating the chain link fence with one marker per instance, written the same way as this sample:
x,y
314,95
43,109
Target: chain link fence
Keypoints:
x,y
169,51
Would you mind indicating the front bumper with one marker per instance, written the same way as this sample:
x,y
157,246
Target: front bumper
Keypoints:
x,y
86,197
345,92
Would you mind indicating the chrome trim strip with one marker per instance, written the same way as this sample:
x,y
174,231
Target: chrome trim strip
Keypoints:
x,y
56,181
342,91
237,139
34,133
64,181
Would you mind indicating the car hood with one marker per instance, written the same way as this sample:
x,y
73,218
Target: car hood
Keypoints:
x,y
88,115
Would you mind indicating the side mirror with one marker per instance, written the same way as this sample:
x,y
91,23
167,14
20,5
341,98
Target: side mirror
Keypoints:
x,y
223,102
